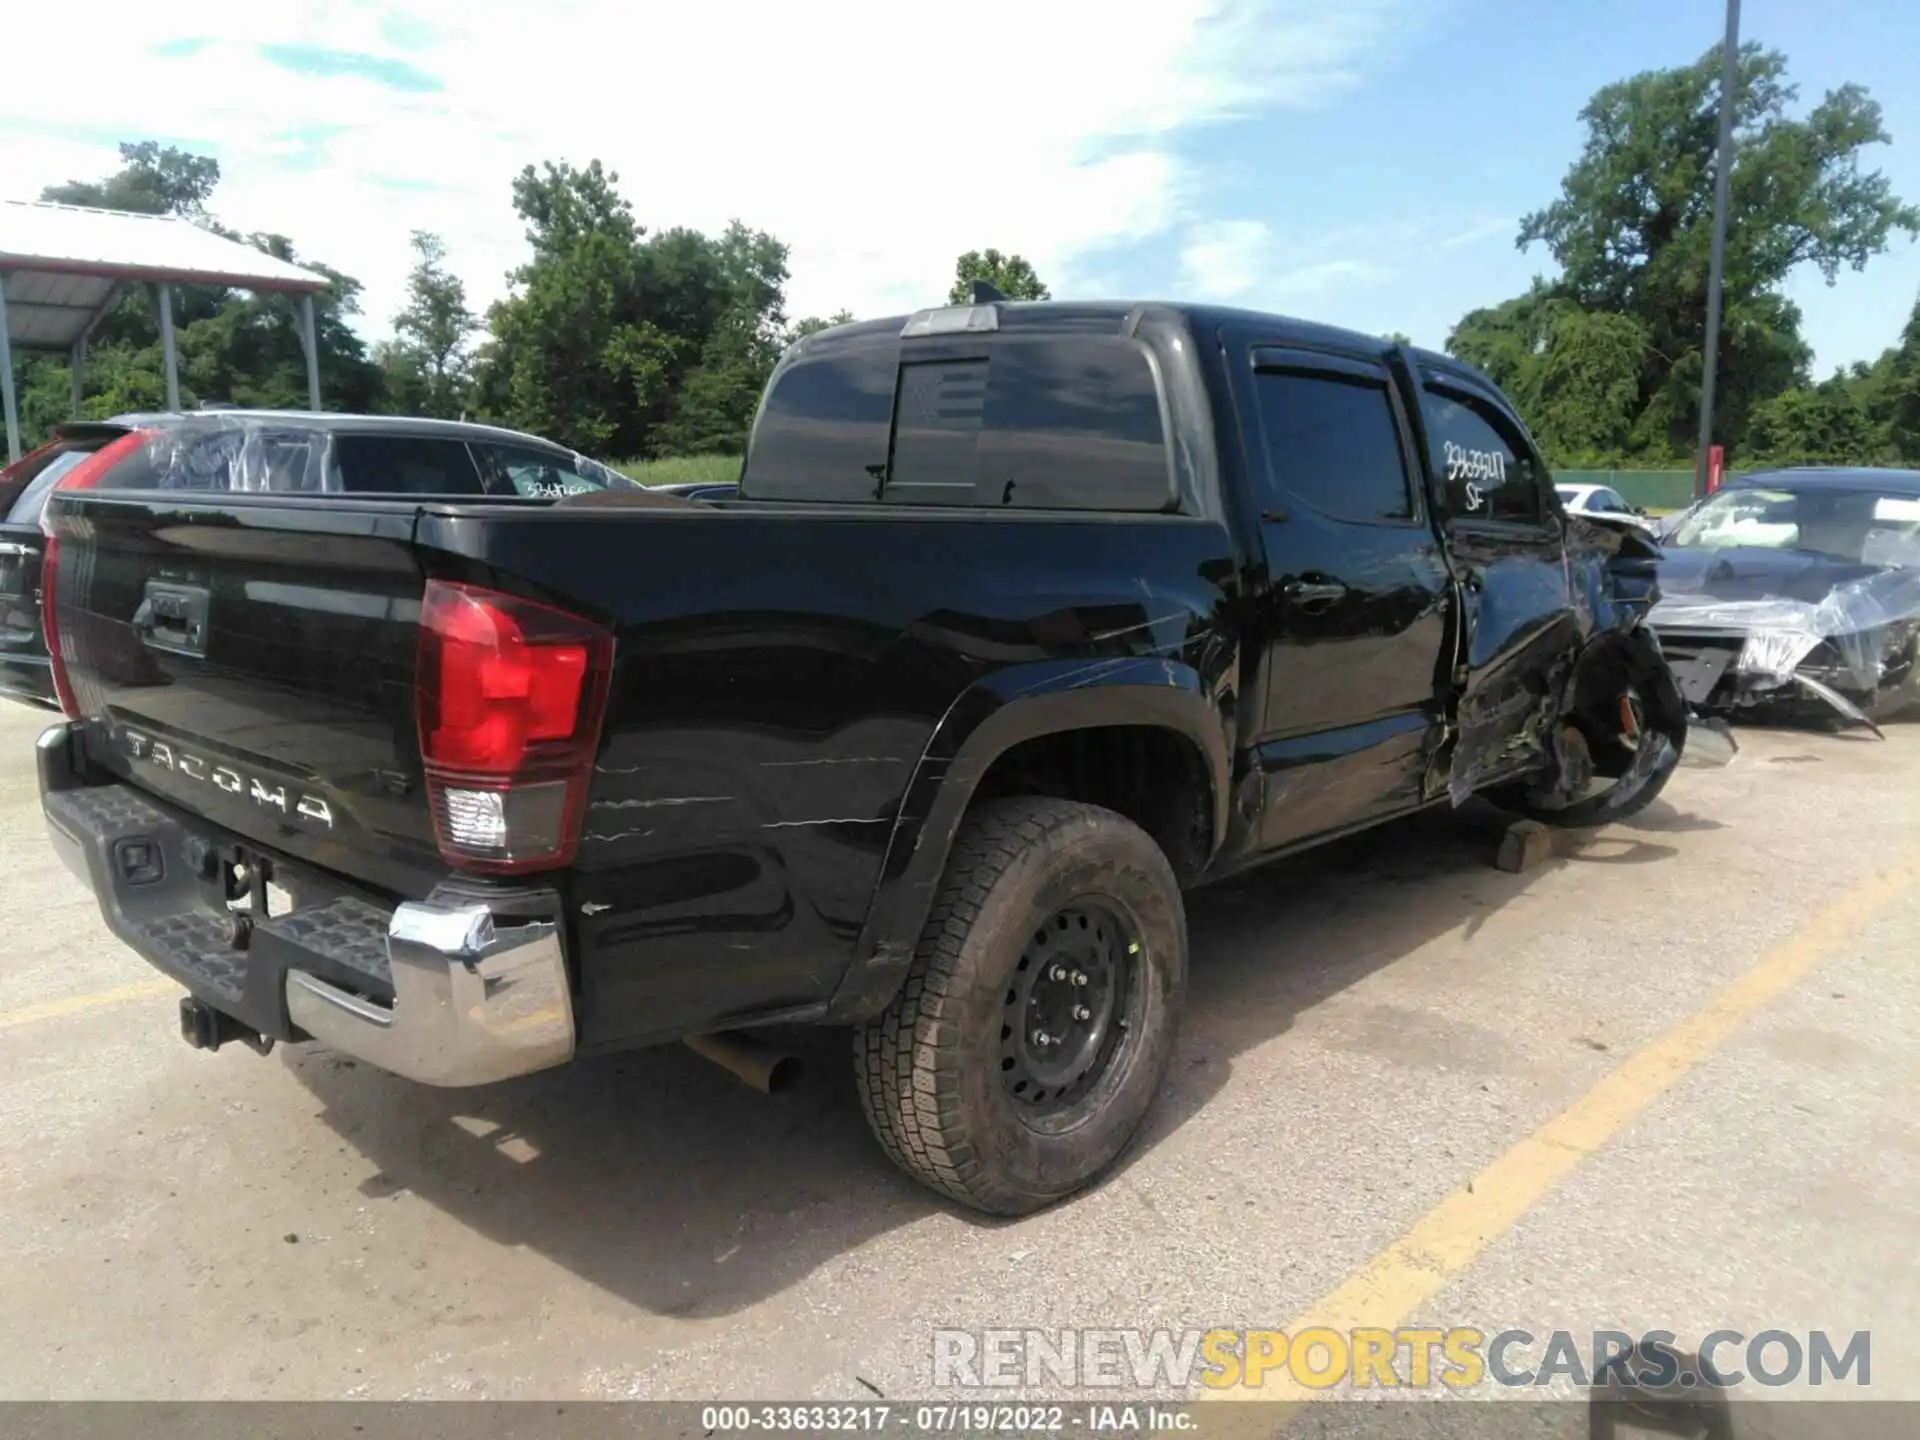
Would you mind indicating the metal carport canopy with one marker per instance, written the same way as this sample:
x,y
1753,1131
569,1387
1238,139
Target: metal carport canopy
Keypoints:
x,y
62,268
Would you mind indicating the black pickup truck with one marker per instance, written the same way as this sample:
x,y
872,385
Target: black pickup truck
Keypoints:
x,y
1025,620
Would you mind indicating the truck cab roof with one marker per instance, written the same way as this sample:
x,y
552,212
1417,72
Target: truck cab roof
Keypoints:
x,y
1116,317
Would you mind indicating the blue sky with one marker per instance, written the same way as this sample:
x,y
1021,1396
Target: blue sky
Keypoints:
x,y
1363,162
1414,179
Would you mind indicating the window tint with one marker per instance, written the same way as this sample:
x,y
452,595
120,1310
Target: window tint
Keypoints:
x,y
936,432
1332,442
404,465
521,470
1073,423
1484,467
823,428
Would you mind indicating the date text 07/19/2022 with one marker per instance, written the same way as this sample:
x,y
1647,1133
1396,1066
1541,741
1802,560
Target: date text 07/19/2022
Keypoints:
x,y
946,1419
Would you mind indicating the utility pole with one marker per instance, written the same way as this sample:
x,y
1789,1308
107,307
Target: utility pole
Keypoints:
x,y
1722,177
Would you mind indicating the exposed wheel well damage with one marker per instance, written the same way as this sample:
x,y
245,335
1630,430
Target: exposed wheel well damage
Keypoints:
x,y
1621,719
1614,665
1153,775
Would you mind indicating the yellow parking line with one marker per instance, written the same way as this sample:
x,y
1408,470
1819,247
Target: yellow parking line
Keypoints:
x,y
74,1004
1392,1287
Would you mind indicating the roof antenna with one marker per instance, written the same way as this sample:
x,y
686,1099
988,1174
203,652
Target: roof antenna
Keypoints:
x,y
979,292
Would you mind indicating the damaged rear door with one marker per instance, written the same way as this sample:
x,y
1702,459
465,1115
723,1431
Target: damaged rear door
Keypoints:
x,y
1536,590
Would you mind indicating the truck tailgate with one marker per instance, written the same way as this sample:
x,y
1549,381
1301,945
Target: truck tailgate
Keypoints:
x,y
253,663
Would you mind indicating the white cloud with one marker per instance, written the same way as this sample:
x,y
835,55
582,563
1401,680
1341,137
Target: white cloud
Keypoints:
x,y
1315,279
1222,259
878,139
1245,260
1484,228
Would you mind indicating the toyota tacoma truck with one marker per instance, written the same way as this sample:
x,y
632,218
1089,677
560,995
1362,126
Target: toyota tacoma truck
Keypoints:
x,y
1025,621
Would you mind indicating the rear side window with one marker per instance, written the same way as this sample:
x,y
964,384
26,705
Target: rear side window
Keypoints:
x,y
1333,443
1484,465
522,470
1072,422
823,429
235,458
404,465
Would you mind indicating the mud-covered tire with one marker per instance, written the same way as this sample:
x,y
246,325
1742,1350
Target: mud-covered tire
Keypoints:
x,y
932,1071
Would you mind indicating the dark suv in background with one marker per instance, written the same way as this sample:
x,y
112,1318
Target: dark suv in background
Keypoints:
x,y
293,452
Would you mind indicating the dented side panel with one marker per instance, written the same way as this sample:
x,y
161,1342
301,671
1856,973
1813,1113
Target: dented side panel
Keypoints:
x,y
1519,628
1541,611
1549,608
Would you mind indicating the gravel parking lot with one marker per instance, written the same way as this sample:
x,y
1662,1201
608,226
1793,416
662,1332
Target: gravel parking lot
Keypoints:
x,y
1666,1081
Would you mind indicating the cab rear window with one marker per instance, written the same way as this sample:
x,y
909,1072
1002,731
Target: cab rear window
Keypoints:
x,y
1063,422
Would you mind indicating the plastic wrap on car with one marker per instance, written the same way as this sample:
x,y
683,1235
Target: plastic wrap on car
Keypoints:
x,y
228,454
1865,623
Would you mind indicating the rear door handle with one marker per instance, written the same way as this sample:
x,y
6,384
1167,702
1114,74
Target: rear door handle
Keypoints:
x,y
1315,593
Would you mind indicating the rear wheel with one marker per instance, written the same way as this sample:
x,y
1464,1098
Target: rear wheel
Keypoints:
x,y
1039,1013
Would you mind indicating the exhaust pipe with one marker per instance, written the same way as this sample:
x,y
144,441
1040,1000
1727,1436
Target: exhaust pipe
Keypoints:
x,y
766,1069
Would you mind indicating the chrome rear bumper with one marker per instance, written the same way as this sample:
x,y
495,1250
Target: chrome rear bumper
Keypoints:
x,y
473,1001
442,992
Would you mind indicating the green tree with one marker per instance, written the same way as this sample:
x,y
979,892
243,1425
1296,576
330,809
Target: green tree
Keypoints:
x,y
627,344
426,364
715,401
1506,341
248,352
1631,232
1574,373
813,325
559,339
1825,424
155,180
1892,392
1012,276
233,346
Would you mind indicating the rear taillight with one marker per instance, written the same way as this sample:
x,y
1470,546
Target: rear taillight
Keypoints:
x,y
510,697
84,476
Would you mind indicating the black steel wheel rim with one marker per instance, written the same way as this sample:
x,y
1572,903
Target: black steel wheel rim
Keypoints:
x,y
1068,1009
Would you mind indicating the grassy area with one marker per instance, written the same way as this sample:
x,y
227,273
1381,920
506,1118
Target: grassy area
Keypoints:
x,y
683,469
